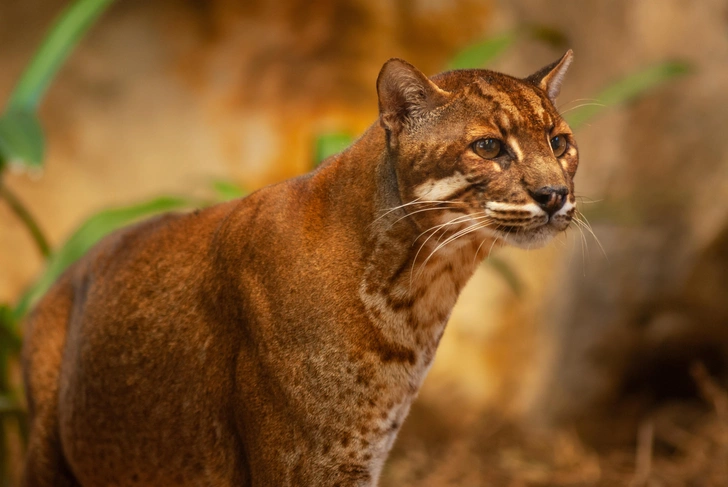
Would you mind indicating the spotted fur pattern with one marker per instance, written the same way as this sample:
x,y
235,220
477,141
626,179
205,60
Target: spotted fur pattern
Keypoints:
x,y
279,340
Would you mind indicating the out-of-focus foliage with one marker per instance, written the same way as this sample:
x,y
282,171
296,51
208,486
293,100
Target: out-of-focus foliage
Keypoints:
x,y
21,138
482,53
22,144
227,190
90,232
331,143
625,90
507,273
70,27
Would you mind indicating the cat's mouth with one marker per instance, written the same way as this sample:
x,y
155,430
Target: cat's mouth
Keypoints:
x,y
529,238
527,226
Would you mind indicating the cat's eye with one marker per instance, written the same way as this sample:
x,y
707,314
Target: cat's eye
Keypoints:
x,y
559,145
487,148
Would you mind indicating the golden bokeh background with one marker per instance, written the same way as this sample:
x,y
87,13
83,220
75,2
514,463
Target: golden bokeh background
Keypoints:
x,y
606,350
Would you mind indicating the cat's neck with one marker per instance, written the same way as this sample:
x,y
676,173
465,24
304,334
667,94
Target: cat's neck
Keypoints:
x,y
410,284
408,279
411,276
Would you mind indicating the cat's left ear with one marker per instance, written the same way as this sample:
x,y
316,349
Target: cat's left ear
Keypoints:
x,y
549,78
405,95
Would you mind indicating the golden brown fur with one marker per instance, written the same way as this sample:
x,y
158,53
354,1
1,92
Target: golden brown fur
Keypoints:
x,y
280,339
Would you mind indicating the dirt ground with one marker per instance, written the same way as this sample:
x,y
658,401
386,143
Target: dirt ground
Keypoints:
x,y
679,443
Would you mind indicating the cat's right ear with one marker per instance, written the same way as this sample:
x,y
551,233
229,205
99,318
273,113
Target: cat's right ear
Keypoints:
x,y
549,79
405,95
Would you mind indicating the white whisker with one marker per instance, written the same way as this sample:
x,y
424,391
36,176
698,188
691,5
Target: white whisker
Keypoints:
x,y
417,202
494,241
583,244
454,221
477,251
581,219
583,200
436,228
472,228
582,105
591,100
418,211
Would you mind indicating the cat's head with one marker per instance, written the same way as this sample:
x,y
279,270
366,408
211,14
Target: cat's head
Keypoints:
x,y
491,148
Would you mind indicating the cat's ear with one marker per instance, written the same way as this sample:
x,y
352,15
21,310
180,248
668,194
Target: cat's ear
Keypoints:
x,y
405,95
549,78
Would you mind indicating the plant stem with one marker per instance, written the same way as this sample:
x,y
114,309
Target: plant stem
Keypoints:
x,y
22,212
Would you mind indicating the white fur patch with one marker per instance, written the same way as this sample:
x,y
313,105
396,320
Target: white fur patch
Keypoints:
x,y
513,143
495,207
564,209
441,189
533,236
531,240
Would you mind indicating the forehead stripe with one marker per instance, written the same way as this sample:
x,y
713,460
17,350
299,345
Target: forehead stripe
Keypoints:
x,y
526,108
513,144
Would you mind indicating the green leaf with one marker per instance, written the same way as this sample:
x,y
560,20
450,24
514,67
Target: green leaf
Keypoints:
x,y
627,89
331,143
70,26
26,218
21,138
95,228
507,272
227,190
8,405
8,330
480,54
9,346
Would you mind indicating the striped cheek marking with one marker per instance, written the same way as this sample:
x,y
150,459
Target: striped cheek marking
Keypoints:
x,y
494,207
441,189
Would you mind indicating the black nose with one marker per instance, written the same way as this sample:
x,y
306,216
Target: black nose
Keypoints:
x,y
550,198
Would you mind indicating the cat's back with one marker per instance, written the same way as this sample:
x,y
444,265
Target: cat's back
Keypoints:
x,y
119,323
159,277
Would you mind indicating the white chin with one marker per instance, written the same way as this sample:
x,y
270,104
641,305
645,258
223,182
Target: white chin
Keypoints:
x,y
532,239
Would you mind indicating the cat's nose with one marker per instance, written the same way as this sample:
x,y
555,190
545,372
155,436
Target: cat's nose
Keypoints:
x,y
550,198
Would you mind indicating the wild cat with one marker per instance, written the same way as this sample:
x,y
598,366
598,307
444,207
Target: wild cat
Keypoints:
x,y
279,339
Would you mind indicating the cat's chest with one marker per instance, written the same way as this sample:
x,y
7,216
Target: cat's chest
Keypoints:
x,y
412,301
367,434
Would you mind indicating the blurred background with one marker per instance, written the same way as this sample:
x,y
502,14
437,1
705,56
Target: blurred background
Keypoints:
x,y
599,360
